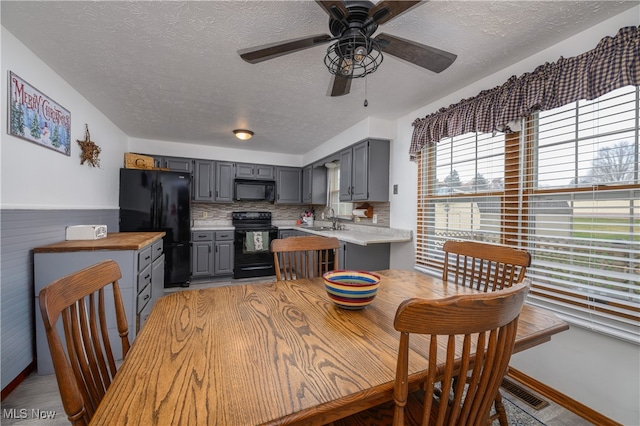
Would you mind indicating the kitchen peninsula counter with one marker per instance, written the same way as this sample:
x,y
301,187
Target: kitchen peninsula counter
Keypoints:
x,y
356,234
361,235
113,241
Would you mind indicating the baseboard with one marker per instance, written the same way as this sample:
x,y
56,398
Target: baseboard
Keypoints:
x,y
559,398
19,379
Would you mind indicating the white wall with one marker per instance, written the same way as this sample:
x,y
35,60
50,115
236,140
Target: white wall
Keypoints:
x,y
34,177
600,372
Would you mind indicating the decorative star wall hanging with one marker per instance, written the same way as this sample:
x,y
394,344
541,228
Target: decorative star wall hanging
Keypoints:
x,y
90,151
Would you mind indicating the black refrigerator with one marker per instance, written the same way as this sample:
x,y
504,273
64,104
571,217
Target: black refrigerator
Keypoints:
x,y
153,200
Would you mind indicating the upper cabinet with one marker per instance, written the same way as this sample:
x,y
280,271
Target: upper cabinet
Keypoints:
x,y
255,171
224,182
176,164
212,181
288,185
364,171
314,185
203,180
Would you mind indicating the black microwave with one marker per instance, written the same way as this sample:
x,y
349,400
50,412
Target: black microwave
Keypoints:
x,y
255,190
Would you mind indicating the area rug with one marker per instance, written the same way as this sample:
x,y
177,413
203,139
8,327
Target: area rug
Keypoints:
x,y
516,415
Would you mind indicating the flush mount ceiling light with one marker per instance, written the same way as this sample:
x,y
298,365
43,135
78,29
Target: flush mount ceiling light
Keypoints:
x,y
243,134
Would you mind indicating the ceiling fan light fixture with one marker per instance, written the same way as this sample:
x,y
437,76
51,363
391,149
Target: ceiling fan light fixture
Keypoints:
x,y
243,134
353,56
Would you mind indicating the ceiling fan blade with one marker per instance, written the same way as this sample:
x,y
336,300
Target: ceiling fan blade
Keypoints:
x,y
386,10
339,8
340,85
253,55
424,56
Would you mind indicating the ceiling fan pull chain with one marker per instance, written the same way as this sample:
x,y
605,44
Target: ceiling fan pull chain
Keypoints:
x,y
366,102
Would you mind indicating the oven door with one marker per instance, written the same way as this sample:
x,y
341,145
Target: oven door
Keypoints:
x,y
252,253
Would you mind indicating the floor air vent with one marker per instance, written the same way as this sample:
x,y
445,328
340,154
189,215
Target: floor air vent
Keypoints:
x,y
523,394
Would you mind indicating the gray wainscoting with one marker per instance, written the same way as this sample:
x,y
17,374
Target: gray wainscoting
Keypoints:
x,y
20,232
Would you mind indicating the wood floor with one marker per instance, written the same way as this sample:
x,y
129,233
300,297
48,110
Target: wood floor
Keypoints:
x,y
36,400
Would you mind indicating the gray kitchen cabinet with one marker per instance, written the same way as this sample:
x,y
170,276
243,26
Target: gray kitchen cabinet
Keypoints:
x,y
224,182
288,185
364,171
213,181
223,259
204,180
150,284
286,233
314,185
202,257
177,164
212,253
142,282
254,171
372,257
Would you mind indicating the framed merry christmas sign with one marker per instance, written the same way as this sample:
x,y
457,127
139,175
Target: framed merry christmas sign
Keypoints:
x,y
37,118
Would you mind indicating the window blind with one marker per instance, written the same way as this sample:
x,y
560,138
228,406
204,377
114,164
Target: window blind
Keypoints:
x,y
566,189
582,200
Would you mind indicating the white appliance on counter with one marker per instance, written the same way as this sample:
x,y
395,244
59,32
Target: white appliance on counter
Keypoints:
x,y
86,232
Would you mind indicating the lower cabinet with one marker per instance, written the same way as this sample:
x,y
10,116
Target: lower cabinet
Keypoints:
x,y
372,257
284,233
212,253
223,259
202,254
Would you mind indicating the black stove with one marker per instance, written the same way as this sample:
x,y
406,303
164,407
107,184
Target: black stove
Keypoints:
x,y
252,241
253,220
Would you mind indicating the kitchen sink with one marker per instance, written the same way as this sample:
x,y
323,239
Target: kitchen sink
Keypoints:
x,y
319,228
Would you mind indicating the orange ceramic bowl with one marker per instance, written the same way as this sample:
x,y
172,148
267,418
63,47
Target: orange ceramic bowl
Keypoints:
x,y
351,289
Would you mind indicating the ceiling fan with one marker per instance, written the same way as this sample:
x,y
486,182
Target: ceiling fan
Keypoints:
x,y
355,52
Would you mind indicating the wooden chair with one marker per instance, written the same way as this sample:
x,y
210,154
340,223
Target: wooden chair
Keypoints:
x,y
474,332
304,257
485,267
482,266
85,369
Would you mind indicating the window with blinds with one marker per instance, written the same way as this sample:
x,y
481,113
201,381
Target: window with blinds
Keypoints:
x,y
566,189
583,227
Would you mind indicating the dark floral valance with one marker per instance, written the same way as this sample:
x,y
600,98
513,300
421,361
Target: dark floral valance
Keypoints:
x,y
614,63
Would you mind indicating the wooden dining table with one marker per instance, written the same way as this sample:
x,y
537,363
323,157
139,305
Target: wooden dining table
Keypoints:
x,y
276,353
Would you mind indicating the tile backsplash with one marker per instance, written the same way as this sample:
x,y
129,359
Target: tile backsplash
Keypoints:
x,y
222,212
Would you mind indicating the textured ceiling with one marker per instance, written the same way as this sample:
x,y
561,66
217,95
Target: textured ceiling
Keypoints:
x,y
169,70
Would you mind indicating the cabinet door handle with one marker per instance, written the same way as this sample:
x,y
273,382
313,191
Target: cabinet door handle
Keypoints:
x,y
147,258
146,297
147,276
210,193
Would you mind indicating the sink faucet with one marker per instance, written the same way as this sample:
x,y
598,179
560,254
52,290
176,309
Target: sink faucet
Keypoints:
x,y
334,219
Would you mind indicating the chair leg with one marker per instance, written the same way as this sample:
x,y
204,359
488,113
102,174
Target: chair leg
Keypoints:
x,y
502,414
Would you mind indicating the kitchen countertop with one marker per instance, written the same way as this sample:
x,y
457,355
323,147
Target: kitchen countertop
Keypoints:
x,y
362,235
113,241
214,227
356,234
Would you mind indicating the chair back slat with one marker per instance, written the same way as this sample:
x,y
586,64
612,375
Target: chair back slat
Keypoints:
x,y
485,267
304,256
84,370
